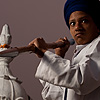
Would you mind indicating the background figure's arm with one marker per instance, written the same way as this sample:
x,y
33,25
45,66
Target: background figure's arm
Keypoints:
x,y
4,52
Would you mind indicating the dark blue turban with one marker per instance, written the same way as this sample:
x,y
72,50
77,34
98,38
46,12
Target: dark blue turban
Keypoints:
x,y
91,7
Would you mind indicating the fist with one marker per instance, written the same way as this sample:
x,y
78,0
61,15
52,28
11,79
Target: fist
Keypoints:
x,y
62,50
40,44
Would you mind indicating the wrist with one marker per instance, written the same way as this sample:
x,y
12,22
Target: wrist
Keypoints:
x,y
60,54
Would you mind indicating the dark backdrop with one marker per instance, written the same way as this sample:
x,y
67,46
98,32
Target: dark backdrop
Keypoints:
x,y
29,19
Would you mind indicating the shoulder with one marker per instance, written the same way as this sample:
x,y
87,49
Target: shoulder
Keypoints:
x,y
94,46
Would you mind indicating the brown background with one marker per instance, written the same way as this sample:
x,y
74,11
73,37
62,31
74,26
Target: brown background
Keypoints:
x,y
29,19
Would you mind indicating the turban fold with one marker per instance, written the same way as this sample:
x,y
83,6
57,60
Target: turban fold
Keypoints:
x,y
91,7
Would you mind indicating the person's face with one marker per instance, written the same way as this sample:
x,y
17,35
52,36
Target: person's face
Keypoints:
x,y
82,27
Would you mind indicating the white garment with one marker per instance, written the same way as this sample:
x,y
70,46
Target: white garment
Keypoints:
x,y
81,76
52,92
10,87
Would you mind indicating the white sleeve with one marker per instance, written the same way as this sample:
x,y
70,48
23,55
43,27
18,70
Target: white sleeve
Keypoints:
x,y
79,77
52,92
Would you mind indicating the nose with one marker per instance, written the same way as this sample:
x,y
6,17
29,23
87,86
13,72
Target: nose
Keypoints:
x,y
78,26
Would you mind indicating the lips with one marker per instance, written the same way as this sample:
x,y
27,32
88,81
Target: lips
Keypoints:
x,y
78,34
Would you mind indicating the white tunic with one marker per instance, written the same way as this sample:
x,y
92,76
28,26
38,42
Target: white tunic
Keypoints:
x,y
81,76
10,87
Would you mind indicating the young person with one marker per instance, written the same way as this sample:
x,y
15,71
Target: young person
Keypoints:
x,y
81,76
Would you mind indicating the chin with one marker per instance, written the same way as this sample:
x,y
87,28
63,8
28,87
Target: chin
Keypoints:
x,y
81,42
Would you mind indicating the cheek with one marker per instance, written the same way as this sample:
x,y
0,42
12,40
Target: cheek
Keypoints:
x,y
72,33
91,28
92,31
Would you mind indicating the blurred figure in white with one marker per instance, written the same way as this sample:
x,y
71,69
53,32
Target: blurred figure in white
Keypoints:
x,y
10,86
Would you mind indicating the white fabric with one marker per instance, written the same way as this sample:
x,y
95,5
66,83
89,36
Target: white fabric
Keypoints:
x,y
81,76
52,92
10,87
5,36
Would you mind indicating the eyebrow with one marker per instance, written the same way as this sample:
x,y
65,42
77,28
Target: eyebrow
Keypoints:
x,y
79,18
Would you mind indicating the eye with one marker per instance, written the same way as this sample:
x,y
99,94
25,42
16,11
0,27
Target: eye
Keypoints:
x,y
72,24
84,21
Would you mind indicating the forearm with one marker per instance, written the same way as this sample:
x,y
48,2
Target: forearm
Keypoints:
x,y
52,68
